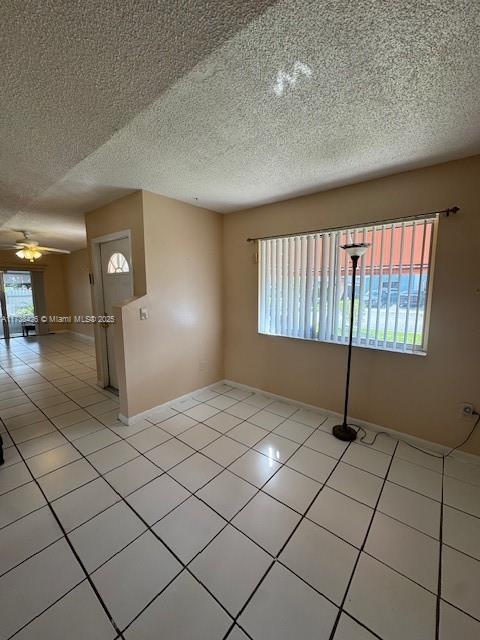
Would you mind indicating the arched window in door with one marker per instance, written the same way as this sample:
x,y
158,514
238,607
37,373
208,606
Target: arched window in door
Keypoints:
x,y
118,264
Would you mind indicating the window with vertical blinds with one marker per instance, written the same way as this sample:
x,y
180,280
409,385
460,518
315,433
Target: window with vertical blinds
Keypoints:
x,y
305,285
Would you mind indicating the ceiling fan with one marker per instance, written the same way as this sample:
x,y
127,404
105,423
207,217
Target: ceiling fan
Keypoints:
x,y
30,250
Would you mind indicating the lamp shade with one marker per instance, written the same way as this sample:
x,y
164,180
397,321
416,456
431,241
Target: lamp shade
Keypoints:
x,y
29,253
355,249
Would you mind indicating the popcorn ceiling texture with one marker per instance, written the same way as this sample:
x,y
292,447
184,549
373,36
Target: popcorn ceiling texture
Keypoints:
x,y
225,105
75,72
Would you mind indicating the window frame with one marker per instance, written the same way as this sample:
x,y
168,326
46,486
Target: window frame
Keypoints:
x,y
365,343
124,259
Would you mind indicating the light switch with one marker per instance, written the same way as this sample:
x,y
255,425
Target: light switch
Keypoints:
x,y
143,314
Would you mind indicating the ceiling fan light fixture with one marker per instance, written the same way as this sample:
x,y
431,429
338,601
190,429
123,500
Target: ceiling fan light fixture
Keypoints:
x,y
29,253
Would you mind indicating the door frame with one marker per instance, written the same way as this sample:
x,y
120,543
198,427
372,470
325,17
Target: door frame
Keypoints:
x,y
3,308
103,376
3,299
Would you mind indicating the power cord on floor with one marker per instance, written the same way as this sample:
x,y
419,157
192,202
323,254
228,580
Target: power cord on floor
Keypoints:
x,y
409,444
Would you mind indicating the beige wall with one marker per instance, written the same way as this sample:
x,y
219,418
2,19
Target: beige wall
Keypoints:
x,y
415,394
122,214
52,268
77,289
177,268
179,348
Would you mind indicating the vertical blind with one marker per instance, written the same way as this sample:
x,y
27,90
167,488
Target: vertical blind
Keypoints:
x,y
305,285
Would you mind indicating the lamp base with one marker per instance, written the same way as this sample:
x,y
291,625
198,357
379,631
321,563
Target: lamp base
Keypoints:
x,y
344,432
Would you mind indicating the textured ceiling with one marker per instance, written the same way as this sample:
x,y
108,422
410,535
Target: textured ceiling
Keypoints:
x,y
225,105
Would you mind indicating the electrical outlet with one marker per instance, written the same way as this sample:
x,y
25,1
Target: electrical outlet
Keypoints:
x,y
466,410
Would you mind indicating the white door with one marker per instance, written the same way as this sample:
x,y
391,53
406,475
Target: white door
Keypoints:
x,y
117,284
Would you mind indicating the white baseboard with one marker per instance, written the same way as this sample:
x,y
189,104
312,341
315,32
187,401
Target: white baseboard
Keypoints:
x,y
83,336
140,416
434,447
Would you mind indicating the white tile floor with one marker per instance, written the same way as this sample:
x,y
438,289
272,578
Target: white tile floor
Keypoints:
x,y
229,514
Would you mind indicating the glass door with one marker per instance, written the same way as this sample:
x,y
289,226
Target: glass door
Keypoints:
x,y
3,309
17,303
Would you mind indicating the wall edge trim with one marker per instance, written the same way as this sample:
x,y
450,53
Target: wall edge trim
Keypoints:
x,y
433,446
128,420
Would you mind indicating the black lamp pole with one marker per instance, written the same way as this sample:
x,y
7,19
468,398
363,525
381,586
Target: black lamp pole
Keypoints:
x,y
344,431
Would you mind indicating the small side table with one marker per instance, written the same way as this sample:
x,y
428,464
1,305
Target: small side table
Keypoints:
x,y
27,327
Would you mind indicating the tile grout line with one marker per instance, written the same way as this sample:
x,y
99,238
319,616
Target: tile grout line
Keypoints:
x,y
341,608
227,522
194,494
33,554
176,437
271,431
285,418
225,433
212,508
149,528
5,526
141,454
250,448
440,553
73,550
285,544
362,624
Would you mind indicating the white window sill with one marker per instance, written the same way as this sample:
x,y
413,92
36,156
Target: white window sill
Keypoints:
x,y
345,344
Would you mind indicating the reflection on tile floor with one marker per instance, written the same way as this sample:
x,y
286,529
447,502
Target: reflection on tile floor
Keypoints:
x,y
228,514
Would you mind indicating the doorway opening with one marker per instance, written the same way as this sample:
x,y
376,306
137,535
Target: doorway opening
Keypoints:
x,y
113,284
17,304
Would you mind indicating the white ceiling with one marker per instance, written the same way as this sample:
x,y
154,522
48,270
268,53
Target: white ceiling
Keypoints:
x,y
224,105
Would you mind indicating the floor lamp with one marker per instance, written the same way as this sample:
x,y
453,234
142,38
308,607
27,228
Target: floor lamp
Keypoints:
x,y
355,251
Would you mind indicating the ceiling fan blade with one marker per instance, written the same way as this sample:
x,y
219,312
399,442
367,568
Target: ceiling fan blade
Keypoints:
x,y
52,250
21,244
8,246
